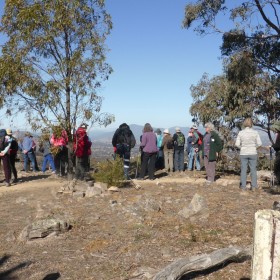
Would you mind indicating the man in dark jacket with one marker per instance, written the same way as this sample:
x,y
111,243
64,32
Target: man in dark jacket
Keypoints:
x,y
123,141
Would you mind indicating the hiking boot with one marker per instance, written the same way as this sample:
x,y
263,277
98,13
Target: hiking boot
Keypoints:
x,y
8,184
14,181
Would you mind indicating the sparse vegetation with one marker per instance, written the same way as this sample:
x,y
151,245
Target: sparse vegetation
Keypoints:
x,y
110,172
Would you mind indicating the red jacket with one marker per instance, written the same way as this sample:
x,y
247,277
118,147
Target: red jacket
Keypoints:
x,y
82,144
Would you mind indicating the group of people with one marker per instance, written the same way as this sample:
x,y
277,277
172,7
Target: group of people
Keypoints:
x,y
166,151
158,150
54,149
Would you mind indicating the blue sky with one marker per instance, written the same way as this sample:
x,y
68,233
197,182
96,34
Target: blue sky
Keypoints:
x,y
155,62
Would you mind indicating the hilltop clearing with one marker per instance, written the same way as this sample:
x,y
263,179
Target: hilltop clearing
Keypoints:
x,y
128,234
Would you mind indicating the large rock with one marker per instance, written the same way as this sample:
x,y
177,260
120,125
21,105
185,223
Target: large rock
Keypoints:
x,y
93,191
43,228
197,210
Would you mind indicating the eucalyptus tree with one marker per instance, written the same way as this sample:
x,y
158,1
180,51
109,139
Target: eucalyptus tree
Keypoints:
x,y
53,62
251,48
254,27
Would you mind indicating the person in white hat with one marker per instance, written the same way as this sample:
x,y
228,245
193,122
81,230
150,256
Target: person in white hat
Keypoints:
x,y
168,150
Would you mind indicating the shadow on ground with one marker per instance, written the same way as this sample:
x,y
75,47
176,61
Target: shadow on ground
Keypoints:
x,y
7,274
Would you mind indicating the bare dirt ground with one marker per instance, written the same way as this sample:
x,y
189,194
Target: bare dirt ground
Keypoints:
x,y
129,234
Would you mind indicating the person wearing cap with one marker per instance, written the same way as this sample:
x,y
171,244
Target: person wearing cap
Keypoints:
x,y
211,146
149,144
248,141
179,145
26,147
13,154
193,155
168,150
159,159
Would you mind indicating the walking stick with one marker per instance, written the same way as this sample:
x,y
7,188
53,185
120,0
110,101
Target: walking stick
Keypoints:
x,y
194,160
137,164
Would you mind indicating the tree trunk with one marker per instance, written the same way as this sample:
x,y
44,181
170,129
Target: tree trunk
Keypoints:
x,y
266,256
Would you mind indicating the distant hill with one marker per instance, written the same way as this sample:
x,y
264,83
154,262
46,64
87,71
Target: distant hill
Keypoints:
x,y
107,136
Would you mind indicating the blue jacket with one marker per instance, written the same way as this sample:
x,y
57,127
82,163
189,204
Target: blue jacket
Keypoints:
x,y
26,144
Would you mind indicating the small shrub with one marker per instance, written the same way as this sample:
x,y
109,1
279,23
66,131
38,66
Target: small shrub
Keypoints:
x,y
110,172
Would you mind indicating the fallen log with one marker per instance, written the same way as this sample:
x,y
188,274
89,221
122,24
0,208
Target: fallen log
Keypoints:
x,y
181,267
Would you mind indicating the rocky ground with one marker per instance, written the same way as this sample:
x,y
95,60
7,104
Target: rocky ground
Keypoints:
x,y
127,233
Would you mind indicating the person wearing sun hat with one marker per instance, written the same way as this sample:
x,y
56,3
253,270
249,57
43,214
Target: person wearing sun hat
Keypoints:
x,y
13,154
168,151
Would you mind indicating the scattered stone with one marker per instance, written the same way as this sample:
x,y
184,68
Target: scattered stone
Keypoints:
x,y
78,194
93,191
43,228
102,186
197,210
113,189
264,175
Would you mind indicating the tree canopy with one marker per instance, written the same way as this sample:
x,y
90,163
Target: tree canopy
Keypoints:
x,y
249,85
54,61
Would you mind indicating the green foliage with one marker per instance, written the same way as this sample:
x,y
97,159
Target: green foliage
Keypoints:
x,y
54,62
110,172
259,37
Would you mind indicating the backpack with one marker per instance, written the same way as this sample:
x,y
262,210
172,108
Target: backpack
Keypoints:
x,y
14,146
170,144
180,140
125,136
200,138
2,139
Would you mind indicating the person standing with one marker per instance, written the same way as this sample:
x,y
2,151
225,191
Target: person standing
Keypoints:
x,y
194,149
59,140
45,148
5,144
26,147
211,146
179,144
34,148
276,146
168,150
248,140
13,154
82,146
159,159
123,141
149,144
